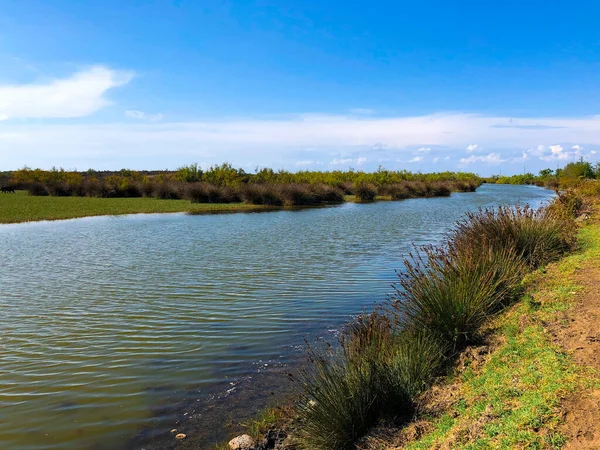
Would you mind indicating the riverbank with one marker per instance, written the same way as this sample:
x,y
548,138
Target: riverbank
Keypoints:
x,y
21,207
192,304
533,381
529,378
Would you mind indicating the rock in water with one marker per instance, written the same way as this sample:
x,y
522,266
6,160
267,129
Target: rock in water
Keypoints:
x,y
181,436
243,442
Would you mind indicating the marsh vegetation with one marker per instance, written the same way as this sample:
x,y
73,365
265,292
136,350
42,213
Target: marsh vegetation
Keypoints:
x,y
442,298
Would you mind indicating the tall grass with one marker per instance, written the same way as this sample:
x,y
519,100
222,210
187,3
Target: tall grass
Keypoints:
x,y
441,300
537,236
451,292
378,372
365,192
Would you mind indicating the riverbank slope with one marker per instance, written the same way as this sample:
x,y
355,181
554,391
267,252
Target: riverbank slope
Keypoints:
x,y
531,379
533,382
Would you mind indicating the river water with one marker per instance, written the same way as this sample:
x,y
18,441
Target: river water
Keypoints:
x,y
107,322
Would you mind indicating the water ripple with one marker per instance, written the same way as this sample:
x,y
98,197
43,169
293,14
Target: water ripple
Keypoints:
x,y
103,319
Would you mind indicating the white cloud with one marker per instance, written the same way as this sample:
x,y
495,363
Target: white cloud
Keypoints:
x,y
281,141
472,147
348,161
79,95
134,114
556,153
340,162
555,149
415,159
306,162
436,159
491,158
424,150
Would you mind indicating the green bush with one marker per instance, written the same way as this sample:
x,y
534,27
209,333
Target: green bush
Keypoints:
x,y
450,293
365,192
262,194
376,374
537,236
168,191
38,189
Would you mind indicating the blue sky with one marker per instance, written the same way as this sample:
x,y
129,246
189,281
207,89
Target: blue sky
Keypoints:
x,y
480,86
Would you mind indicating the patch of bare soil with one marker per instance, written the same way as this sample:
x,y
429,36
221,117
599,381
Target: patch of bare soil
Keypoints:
x,y
579,334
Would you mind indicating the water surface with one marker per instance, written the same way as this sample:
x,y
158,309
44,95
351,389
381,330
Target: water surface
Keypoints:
x,y
105,318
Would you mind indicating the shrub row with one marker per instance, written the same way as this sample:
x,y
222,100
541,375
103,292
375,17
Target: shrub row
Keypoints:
x,y
253,193
441,300
227,175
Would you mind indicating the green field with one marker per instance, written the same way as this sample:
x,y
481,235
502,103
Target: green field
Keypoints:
x,y
21,207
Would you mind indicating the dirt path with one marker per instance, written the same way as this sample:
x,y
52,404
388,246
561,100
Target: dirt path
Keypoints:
x,y
579,334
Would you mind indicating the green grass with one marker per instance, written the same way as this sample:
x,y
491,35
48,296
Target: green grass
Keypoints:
x,y
21,207
512,402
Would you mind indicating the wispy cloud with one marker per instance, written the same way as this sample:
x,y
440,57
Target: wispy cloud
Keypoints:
x,y
307,162
472,147
348,161
490,158
79,95
140,115
340,161
415,159
339,140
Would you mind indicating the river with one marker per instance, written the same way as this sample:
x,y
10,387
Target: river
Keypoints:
x,y
113,328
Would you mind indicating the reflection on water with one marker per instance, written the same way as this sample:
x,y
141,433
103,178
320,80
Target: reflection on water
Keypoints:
x,y
108,321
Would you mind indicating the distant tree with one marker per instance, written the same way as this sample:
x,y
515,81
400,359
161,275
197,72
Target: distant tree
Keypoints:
x,y
546,173
578,169
189,173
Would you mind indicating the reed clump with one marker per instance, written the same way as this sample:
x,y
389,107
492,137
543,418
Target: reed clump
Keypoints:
x,y
365,192
441,300
537,236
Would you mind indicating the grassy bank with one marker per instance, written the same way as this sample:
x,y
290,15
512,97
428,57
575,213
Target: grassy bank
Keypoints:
x,y
21,207
514,398
448,299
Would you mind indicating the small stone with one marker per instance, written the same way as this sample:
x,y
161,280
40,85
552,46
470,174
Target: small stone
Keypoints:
x,y
181,436
174,430
243,442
